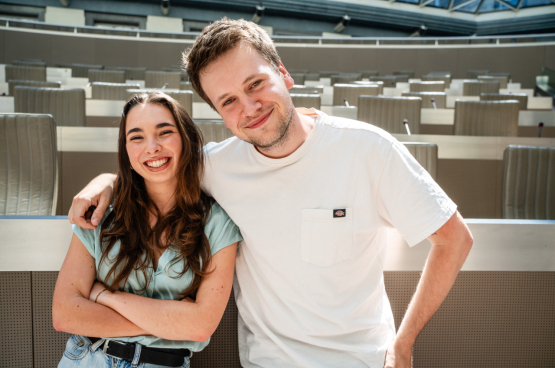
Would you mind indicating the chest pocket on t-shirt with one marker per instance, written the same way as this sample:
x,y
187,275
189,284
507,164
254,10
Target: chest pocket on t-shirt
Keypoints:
x,y
326,240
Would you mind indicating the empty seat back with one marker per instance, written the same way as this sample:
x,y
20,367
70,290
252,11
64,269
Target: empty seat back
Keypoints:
x,y
388,113
401,78
327,73
345,78
28,165
130,73
155,79
388,80
350,92
371,83
520,97
14,83
437,78
108,76
306,100
111,91
476,88
184,76
425,154
213,130
20,72
67,106
306,89
312,77
440,99
486,118
82,70
409,73
36,63
431,86
500,74
299,78
369,73
529,183
185,98
490,78
187,86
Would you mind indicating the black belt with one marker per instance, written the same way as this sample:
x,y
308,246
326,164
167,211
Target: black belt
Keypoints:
x,y
158,356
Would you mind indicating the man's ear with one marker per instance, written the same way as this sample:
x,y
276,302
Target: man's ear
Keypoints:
x,y
289,82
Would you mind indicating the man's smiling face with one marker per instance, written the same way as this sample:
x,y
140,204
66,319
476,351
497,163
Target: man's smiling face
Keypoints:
x,y
250,95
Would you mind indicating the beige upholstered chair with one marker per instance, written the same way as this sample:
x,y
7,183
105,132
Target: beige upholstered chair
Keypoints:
x,y
388,113
108,76
28,165
529,183
520,97
486,118
130,73
409,73
474,74
312,77
437,78
440,99
306,100
425,154
14,83
350,92
67,106
185,98
345,78
177,69
299,78
503,81
432,86
30,73
368,73
213,130
155,79
82,70
306,89
371,83
476,88
111,91
388,80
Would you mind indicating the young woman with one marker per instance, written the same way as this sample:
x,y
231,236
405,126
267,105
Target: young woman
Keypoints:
x,y
125,287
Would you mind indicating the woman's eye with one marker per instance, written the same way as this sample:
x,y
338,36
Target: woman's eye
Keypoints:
x,y
135,138
166,132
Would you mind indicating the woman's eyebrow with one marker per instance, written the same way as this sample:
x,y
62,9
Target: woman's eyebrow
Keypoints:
x,y
165,124
134,130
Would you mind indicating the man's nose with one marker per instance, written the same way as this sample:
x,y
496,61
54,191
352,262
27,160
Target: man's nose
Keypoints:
x,y
251,106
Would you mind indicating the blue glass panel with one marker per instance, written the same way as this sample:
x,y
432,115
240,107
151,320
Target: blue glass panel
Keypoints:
x,y
491,6
469,8
409,1
529,3
440,4
512,2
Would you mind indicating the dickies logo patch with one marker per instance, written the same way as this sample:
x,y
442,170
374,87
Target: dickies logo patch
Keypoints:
x,y
339,213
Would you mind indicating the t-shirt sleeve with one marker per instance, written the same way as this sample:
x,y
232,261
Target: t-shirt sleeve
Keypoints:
x,y
87,237
220,230
409,199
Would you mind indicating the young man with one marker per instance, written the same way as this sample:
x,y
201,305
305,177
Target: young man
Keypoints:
x,y
313,196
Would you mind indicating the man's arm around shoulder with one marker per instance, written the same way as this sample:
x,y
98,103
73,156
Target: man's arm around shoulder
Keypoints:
x,y
98,193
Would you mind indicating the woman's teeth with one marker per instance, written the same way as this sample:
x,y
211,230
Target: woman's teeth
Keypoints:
x,y
157,163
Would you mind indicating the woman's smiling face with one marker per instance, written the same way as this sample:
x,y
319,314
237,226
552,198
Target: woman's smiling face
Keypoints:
x,y
153,143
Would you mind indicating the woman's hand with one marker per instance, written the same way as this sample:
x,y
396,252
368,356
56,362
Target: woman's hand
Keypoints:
x,y
96,289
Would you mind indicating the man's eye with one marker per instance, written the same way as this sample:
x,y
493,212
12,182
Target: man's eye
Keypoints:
x,y
255,84
227,102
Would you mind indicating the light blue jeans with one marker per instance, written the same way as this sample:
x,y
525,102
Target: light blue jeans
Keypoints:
x,y
80,352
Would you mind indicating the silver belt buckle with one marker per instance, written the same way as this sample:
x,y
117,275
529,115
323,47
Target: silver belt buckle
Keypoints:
x,y
105,348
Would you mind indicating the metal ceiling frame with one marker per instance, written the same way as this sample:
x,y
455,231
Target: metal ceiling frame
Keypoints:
x,y
452,7
463,4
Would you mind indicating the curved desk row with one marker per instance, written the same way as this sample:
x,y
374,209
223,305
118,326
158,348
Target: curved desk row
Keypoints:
x,y
499,313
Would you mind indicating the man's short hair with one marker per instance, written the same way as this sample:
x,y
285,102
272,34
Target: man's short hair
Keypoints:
x,y
220,37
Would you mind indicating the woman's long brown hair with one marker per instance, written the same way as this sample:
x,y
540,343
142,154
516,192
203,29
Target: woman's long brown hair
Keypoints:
x,y
182,227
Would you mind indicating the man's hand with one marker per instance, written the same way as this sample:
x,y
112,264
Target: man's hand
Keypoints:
x,y
398,356
98,193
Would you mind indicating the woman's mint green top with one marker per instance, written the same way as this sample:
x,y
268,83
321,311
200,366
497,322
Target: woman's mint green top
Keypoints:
x,y
220,230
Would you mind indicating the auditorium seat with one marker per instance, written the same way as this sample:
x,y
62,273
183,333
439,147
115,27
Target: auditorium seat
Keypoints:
x,y
503,81
156,79
440,99
306,89
28,165
388,113
82,70
371,83
369,73
345,78
350,92
306,100
299,78
476,87
528,183
425,154
500,74
409,73
185,98
388,80
35,63
130,73
108,76
30,73
312,77
486,118
327,73
437,78
177,69
67,106
111,91
401,78
213,131
474,74
14,83
520,97
431,86
187,86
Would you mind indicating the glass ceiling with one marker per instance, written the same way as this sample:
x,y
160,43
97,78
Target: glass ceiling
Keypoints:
x,y
479,6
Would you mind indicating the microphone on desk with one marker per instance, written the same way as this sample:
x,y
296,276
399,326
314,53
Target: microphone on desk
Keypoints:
x,y
434,103
406,122
165,85
346,102
540,126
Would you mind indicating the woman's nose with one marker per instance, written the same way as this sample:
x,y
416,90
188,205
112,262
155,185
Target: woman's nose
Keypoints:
x,y
153,146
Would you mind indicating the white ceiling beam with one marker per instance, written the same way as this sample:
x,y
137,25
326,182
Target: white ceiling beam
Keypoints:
x,y
460,5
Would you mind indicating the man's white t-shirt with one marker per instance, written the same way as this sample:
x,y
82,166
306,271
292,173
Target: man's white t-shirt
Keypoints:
x,y
309,279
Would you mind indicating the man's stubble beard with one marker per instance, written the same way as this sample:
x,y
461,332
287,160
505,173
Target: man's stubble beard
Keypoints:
x,y
284,132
